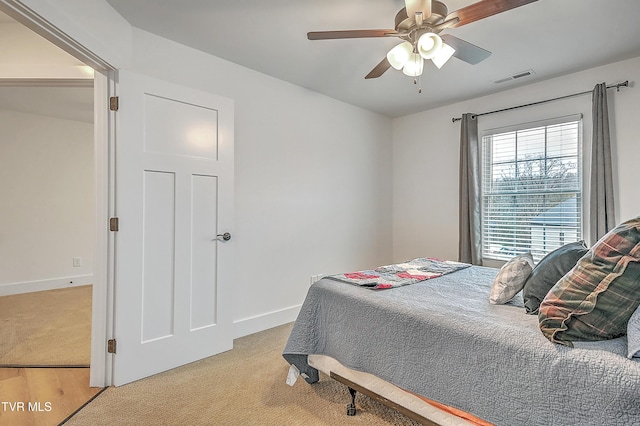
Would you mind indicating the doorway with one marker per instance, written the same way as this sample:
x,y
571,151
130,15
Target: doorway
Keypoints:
x,y
103,86
46,113
48,251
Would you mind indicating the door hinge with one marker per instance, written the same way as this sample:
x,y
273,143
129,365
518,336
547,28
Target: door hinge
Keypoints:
x,y
111,346
114,224
113,103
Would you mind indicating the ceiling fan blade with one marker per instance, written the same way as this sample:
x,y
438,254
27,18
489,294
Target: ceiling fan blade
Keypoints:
x,y
330,35
484,9
466,51
414,6
379,69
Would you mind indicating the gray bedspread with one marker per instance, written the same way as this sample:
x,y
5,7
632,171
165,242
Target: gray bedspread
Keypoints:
x,y
442,339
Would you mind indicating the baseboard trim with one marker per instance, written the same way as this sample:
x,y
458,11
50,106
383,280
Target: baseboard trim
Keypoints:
x,y
42,285
262,322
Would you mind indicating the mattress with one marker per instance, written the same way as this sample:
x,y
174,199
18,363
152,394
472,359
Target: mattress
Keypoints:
x,y
441,339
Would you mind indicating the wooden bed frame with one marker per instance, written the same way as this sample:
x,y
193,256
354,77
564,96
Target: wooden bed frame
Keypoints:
x,y
416,407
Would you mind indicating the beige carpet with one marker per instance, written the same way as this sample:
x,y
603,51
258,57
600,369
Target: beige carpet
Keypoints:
x,y
245,386
46,328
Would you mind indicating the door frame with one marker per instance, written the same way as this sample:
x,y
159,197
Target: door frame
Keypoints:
x,y
104,145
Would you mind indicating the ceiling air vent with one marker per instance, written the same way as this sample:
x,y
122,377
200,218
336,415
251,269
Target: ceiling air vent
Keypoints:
x,y
516,76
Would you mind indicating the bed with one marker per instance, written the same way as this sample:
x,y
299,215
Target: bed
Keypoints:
x,y
439,341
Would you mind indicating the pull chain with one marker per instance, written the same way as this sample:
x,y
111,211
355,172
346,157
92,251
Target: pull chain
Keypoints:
x,y
418,81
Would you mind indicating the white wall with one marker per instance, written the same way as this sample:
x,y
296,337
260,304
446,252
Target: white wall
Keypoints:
x,y
46,188
425,186
312,175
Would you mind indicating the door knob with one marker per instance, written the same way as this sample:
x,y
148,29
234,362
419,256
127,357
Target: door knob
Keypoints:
x,y
225,237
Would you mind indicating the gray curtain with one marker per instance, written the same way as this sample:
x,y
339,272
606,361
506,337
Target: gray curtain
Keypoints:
x,y
469,246
601,209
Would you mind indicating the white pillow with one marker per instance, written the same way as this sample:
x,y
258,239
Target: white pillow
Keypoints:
x,y
511,278
633,335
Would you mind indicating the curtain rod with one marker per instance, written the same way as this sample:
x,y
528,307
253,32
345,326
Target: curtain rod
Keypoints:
x,y
616,86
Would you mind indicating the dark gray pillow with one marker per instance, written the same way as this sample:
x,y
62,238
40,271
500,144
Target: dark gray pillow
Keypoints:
x,y
548,271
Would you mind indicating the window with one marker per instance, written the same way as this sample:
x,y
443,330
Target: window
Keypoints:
x,y
531,188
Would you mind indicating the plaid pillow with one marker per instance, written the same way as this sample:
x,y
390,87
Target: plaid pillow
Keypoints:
x,y
595,300
510,280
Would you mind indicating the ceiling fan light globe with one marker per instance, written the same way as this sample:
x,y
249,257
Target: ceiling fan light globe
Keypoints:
x,y
414,65
399,55
445,53
429,44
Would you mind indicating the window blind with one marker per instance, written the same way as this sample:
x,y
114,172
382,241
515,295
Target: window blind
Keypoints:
x,y
531,188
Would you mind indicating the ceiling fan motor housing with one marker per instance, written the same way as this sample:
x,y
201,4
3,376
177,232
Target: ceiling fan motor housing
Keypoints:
x,y
404,23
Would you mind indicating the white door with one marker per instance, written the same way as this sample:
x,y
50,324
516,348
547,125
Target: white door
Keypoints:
x,y
173,196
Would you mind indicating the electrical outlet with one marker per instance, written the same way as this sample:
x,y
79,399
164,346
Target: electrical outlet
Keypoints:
x,y
77,262
316,278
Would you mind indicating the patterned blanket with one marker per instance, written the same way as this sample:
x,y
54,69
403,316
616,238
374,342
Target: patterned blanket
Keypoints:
x,y
391,276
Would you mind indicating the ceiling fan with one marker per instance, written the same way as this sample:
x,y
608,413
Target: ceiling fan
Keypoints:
x,y
418,24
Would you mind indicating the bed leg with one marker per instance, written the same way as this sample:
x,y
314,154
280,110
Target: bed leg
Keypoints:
x,y
351,408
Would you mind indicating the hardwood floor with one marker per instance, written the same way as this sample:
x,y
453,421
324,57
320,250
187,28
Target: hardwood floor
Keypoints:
x,y
42,396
